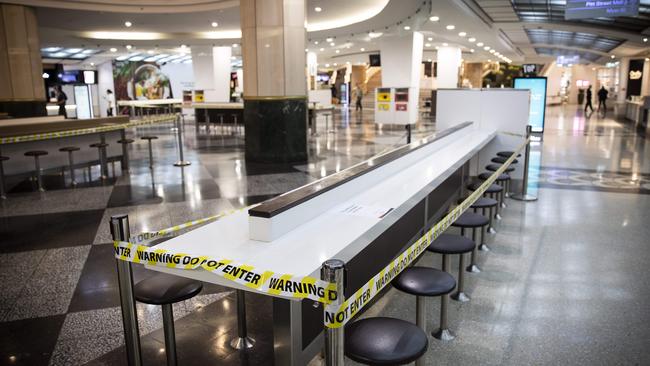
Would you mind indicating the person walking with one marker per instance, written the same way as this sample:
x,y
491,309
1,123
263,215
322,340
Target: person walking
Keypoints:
x,y
110,102
602,99
61,99
588,101
359,94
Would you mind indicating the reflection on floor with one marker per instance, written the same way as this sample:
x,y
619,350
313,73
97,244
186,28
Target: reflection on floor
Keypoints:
x,y
563,283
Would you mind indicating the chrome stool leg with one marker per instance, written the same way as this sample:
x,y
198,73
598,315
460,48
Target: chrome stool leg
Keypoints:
x,y
443,333
243,341
472,264
71,161
460,294
39,179
3,194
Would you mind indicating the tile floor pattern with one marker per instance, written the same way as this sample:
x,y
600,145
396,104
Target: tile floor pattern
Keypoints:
x,y
562,284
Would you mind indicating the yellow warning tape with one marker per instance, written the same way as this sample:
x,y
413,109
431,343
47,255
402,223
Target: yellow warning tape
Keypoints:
x,y
86,131
336,315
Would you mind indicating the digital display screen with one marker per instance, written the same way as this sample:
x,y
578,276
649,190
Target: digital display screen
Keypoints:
x,y
89,77
537,87
581,9
70,77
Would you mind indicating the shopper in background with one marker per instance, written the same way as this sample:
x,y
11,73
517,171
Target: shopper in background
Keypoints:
x,y
588,101
61,99
602,99
359,94
110,102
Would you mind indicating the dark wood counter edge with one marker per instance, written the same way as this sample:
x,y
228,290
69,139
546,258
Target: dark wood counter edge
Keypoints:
x,y
293,198
59,126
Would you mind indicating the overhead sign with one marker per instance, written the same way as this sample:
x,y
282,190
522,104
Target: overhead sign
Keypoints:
x,y
635,77
581,9
567,60
537,87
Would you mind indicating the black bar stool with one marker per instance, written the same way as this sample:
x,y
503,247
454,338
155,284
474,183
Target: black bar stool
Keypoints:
x,y
485,203
506,154
3,194
384,341
103,168
471,220
502,160
448,244
503,180
163,289
429,282
70,150
220,115
149,138
495,167
37,166
492,191
125,152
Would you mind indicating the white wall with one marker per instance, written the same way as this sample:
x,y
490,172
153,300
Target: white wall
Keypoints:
x,y
401,60
104,81
448,65
582,72
181,77
554,79
211,65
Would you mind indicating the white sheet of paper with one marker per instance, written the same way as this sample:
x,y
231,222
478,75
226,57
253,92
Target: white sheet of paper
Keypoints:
x,y
378,212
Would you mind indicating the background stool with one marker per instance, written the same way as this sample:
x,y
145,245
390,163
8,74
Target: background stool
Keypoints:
x,y
448,244
163,289
220,115
327,121
3,194
125,153
428,282
502,160
470,220
149,138
37,166
484,203
493,190
243,341
495,167
503,180
384,341
70,150
103,168
506,154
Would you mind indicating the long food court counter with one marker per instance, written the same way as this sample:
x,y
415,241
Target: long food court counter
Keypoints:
x,y
365,216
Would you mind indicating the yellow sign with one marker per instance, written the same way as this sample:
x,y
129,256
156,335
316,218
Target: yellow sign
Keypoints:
x,y
198,96
383,106
383,97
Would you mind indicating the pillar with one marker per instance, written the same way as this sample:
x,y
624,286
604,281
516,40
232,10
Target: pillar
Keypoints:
x,y
275,87
211,65
22,90
448,65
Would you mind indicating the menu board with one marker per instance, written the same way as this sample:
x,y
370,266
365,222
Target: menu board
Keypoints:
x,y
588,9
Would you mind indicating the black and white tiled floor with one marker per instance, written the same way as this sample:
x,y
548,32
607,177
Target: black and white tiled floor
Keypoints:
x,y
60,303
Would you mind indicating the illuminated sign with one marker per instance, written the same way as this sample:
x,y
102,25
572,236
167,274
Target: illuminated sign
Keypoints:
x,y
635,74
537,87
567,60
581,9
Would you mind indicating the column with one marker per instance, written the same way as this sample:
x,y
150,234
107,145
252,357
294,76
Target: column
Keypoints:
x,y
401,59
448,65
275,87
22,93
211,66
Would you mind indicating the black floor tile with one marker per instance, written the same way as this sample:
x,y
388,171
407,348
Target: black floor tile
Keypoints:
x,y
30,341
56,182
46,231
133,195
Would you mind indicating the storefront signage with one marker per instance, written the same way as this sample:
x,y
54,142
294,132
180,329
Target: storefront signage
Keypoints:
x,y
537,87
635,77
567,60
586,9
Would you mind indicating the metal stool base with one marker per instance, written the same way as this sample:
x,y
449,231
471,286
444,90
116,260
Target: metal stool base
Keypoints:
x,y
443,335
483,248
497,216
524,197
460,296
182,163
473,269
242,343
491,230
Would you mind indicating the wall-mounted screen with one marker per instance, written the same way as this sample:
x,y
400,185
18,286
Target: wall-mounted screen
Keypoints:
x,y
375,60
90,77
587,9
537,87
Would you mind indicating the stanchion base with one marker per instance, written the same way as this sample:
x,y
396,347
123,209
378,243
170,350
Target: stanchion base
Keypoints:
x,y
460,296
242,343
473,268
523,197
182,163
483,248
443,335
491,230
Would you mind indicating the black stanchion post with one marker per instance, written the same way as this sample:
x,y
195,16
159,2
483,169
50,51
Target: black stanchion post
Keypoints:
x,y
524,196
120,232
333,271
181,161
408,134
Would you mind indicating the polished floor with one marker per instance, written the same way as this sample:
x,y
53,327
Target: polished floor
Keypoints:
x,y
563,284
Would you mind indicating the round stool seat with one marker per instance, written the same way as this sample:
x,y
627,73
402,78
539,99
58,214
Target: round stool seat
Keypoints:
x,y
99,144
501,160
384,341
495,167
483,202
451,244
36,153
69,148
4,158
494,188
166,289
506,154
471,220
149,138
501,178
424,281
125,141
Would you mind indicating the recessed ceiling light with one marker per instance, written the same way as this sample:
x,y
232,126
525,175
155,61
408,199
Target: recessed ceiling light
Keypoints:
x,y
113,49
332,44
434,18
306,49
375,34
472,40
645,40
322,49
427,45
327,65
335,64
315,42
233,57
128,24
647,59
472,50
429,60
318,9
430,39
183,46
480,44
215,24
613,56
492,51
445,44
489,60
362,49
437,47
235,45
487,48
406,27
92,64
451,27
328,39
128,46
462,34
338,51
